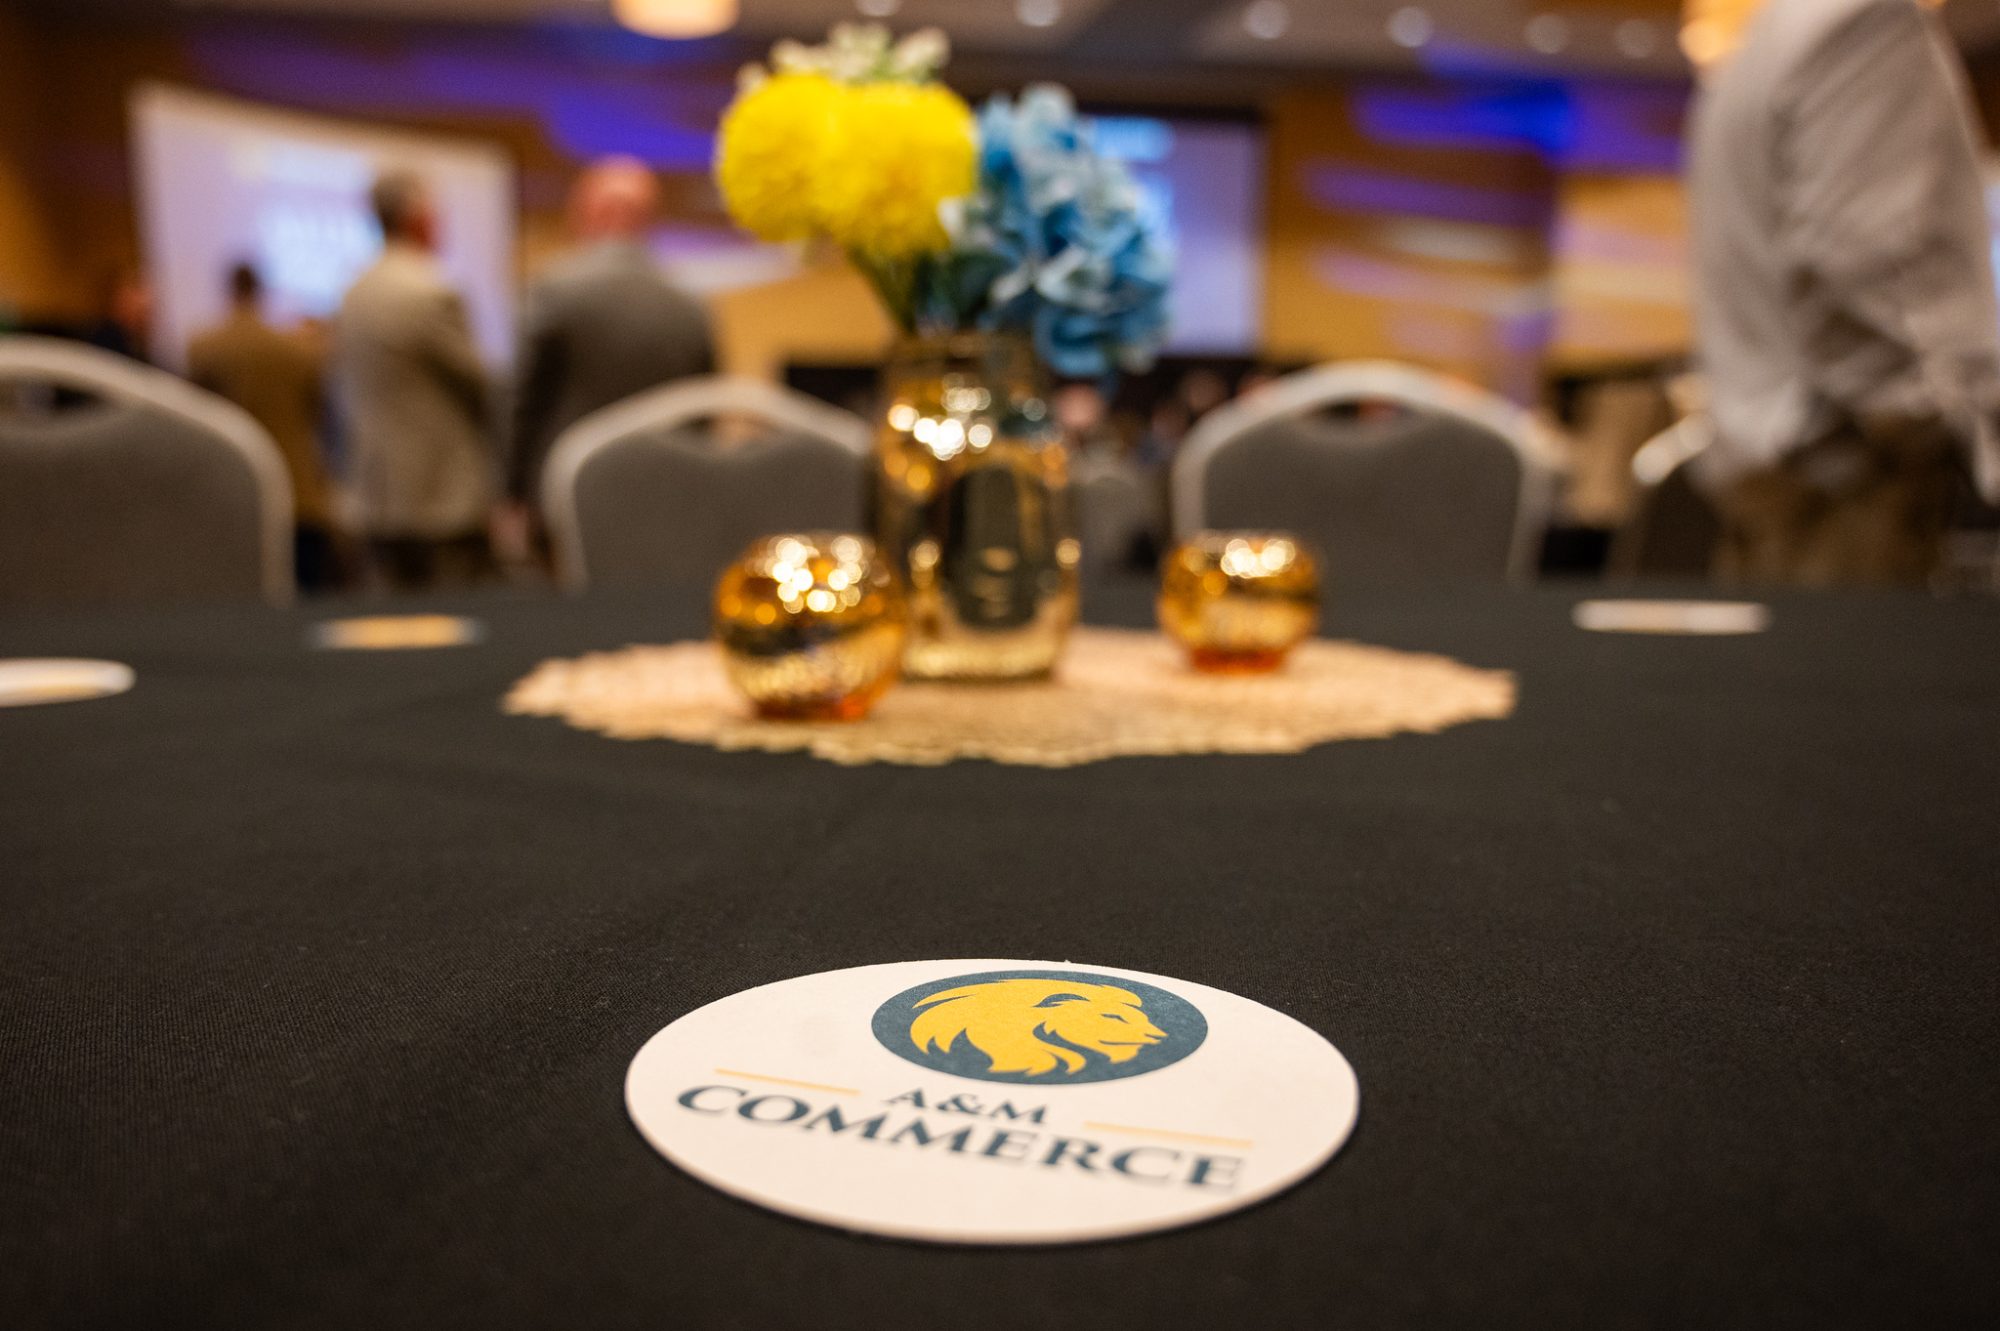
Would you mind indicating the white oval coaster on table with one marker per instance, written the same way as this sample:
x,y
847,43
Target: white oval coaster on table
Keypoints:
x,y
396,633
993,1101
1696,618
26,683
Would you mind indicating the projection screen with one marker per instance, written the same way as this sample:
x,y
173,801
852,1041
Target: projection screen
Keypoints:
x,y
222,181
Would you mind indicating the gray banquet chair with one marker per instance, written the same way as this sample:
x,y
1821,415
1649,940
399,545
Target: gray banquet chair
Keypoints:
x,y
1116,505
1455,483
120,482
648,491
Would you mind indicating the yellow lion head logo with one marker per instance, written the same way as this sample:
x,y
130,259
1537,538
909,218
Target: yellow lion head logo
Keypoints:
x,y
1017,1023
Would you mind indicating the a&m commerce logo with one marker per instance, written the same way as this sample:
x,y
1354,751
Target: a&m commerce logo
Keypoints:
x,y
866,1099
1040,1027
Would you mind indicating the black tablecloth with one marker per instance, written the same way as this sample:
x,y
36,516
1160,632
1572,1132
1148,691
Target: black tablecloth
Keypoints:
x,y
1673,999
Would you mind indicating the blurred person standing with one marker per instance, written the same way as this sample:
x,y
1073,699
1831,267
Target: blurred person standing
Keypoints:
x,y
1202,390
600,324
124,322
278,378
416,400
1848,323
1085,418
1166,428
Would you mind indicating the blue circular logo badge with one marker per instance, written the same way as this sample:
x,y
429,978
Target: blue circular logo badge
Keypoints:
x,y
1041,1027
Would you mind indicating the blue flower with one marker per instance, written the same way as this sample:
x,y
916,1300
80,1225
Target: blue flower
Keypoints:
x,y
1055,243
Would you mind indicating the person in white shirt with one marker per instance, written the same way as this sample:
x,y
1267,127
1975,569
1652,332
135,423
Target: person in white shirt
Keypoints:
x,y
1848,325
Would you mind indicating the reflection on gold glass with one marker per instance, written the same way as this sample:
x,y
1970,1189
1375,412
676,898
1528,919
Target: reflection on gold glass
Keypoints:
x,y
811,626
972,507
1239,601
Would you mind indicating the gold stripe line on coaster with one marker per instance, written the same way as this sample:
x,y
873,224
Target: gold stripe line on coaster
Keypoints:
x,y
1178,1136
786,1081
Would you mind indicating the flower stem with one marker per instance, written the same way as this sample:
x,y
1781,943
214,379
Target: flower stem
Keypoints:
x,y
894,282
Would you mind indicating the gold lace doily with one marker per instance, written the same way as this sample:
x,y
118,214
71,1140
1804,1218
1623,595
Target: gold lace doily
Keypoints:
x,y
1117,693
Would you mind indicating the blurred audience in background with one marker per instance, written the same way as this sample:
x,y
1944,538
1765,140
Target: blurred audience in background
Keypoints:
x,y
1085,417
598,325
1203,390
124,323
1848,322
1847,366
278,377
418,404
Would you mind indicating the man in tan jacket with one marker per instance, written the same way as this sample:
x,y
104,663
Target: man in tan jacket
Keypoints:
x,y
417,403
277,378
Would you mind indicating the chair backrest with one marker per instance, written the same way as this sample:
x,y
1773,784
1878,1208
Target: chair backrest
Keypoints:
x,y
1674,529
1457,482
1116,504
643,491
129,484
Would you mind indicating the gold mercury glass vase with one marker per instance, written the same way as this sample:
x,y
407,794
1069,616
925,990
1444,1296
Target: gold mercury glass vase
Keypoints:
x,y
1239,601
972,507
810,626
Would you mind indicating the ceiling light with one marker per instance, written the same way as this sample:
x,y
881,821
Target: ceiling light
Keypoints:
x,y
1714,28
1548,33
1268,20
1411,27
1705,42
1039,13
1637,38
878,8
676,18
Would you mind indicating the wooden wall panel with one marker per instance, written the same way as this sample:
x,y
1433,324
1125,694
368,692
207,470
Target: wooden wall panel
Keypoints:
x,y
32,263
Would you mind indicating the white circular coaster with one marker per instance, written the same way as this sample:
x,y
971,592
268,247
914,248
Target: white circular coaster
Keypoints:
x,y
993,1101
1698,618
396,633
25,683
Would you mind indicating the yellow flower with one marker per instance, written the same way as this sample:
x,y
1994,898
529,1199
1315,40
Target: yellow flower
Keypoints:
x,y
771,150
898,151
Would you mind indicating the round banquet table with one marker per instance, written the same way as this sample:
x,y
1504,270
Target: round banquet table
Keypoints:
x,y
1674,999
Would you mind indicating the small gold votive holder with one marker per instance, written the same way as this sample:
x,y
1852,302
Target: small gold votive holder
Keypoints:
x,y
811,626
1239,601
